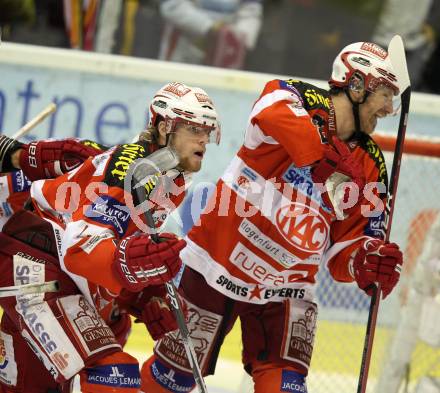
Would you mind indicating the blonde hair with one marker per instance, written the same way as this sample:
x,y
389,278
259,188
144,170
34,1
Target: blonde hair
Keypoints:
x,y
150,135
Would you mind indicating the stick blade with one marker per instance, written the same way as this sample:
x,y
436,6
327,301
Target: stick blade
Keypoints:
x,y
160,161
396,51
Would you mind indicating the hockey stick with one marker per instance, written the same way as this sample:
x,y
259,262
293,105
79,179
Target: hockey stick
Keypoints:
x,y
158,162
28,289
396,52
407,378
35,121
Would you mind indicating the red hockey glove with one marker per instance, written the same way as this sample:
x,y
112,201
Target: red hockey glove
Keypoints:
x,y
338,166
377,262
158,318
48,159
139,262
151,308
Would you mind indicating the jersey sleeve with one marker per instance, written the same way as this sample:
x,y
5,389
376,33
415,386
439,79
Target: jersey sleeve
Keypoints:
x,y
94,211
367,221
89,251
93,144
92,231
279,117
14,192
104,216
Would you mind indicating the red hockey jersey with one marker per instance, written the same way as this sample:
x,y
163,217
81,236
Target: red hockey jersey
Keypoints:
x,y
91,211
14,192
266,231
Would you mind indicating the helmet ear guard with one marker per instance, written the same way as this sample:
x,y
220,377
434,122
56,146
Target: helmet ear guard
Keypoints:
x,y
356,83
169,126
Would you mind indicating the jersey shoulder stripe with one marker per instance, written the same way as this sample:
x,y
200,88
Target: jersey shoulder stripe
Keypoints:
x,y
121,159
373,150
312,97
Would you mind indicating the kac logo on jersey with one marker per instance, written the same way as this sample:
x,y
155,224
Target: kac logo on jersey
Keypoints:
x,y
109,211
244,181
302,226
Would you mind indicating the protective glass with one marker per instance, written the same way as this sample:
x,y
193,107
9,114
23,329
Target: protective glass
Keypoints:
x,y
197,130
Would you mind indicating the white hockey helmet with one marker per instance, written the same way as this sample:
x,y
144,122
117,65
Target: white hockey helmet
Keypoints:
x,y
177,103
367,61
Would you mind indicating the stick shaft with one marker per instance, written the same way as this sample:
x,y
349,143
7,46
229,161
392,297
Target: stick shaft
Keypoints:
x,y
28,289
369,338
35,121
375,299
186,338
175,304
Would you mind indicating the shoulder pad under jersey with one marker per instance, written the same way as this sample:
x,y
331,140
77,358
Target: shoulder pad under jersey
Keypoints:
x,y
121,159
94,145
312,96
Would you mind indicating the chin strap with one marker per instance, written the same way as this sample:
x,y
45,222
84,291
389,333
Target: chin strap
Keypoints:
x,y
168,144
355,108
167,140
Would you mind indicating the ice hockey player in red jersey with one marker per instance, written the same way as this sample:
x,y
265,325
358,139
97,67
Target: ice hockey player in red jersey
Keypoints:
x,y
21,163
88,224
306,190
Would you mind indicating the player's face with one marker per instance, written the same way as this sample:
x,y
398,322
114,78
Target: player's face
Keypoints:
x,y
377,105
190,144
